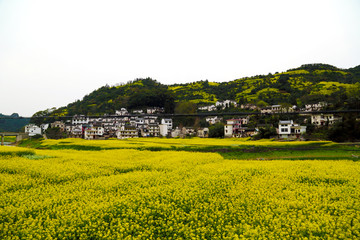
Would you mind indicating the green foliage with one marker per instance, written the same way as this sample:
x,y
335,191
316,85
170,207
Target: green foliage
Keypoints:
x,y
185,108
216,130
21,153
346,131
42,117
307,84
11,139
55,133
31,143
137,94
268,132
12,123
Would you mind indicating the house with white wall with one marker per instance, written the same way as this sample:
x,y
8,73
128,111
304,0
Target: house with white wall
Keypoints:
x,y
153,130
77,131
315,106
122,111
58,124
168,122
127,131
32,129
287,129
94,132
139,111
323,119
79,120
209,108
203,132
44,126
154,110
226,103
231,128
213,120
164,130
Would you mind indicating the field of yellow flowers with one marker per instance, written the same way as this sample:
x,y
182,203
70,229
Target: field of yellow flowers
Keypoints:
x,y
164,189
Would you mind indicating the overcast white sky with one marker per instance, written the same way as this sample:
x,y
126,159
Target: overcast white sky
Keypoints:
x,y
54,52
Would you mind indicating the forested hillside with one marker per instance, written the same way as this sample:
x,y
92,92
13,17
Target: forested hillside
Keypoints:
x,y
12,123
309,83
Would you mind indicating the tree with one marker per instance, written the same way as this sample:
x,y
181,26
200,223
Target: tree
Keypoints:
x,y
41,117
347,130
216,130
267,132
54,133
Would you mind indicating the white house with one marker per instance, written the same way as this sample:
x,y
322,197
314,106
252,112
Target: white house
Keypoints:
x,y
315,107
32,130
203,132
127,131
290,130
228,130
122,111
249,106
138,111
323,119
164,129
153,130
176,132
139,121
275,108
213,120
208,108
59,124
154,110
94,132
285,128
44,126
79,120
76,131
168,122
226,103
232,127
244,120
266,110
150,119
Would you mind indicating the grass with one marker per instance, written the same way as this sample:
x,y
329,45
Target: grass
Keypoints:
x,y
10,139
240,149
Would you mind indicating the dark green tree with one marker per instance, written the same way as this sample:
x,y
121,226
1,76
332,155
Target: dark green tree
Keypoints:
x,y
216,130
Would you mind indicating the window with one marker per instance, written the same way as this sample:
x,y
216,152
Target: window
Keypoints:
x,y
283,129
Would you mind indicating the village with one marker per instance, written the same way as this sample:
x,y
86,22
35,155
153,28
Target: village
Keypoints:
x,y
146,123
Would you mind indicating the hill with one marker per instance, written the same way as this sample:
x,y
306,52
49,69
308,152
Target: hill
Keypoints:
x,y
12,123
309,83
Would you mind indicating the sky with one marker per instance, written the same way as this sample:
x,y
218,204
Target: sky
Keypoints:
x,y
53,53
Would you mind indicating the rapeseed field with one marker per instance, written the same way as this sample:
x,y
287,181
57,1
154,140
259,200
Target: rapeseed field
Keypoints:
x,y
166,189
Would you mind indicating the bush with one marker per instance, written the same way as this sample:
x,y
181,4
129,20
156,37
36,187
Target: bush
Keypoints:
x,y
216,130
268,132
